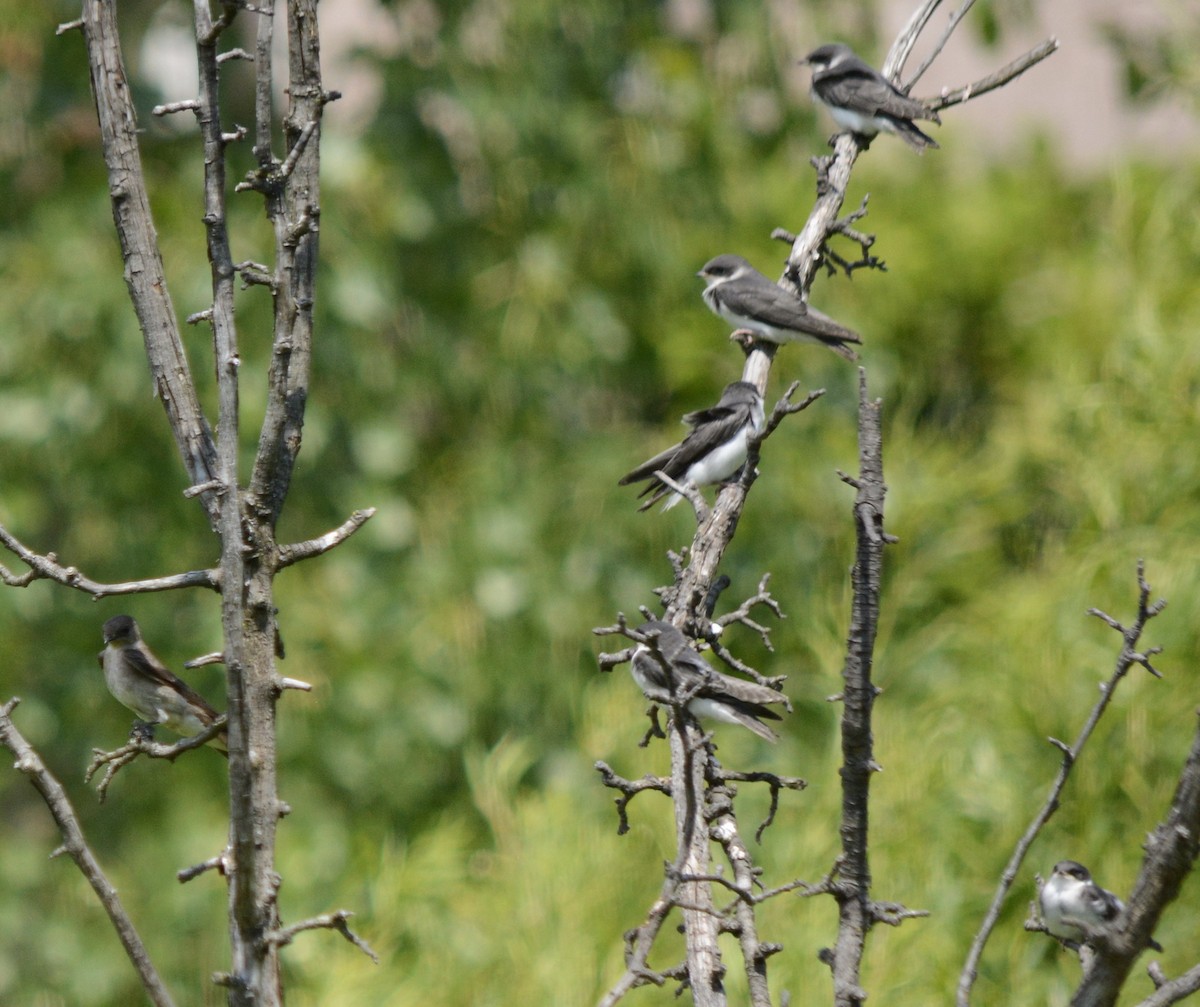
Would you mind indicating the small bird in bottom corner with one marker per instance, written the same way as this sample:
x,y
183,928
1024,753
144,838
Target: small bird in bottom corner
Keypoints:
x,y
141,682
721,697
740,294
712,452
864,101
1071,894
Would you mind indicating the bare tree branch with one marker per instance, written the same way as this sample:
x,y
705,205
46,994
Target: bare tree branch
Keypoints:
x,y
856,912
724,829
75,844
775,784
119,758
638,944
903,49
289,554
219,863
907,38
741,615
1174,990
1126,659
994,80
292,193
328,921
48,568
244,520
144,272
629,790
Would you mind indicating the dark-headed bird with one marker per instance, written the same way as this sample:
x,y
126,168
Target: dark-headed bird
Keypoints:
x,y
740,294
862,100
141,682
1071,894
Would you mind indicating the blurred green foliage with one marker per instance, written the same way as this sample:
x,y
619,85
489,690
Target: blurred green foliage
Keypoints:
x,y
508,321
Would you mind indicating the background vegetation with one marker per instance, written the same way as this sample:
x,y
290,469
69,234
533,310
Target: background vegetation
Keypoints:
x,y
509,321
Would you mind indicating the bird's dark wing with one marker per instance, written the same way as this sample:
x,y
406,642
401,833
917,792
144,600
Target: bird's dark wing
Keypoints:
x,y
690,668
911,135
687,667
649,674
1102,902
711,428
149,667
833,333
772,304
713,414
856,86
665,461
745,691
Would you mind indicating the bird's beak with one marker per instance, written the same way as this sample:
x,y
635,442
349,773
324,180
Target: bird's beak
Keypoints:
x,y
700,273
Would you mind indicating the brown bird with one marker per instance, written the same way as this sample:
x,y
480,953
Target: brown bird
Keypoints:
x,y
141,682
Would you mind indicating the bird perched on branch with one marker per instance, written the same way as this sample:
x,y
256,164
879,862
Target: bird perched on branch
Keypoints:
x,y
141,682
713,451
862,100
1072,895
669,669
740,294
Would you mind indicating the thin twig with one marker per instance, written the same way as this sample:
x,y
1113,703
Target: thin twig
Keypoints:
x,y
328,921
955,18
994,80
289,554
688,491
47,567
219,863
171,107
1174,990
774,782
907,38
75,844
629,790
119,758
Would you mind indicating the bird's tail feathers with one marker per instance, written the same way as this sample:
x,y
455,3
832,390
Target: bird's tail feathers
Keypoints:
x,y
840,348
913,136
749,718
833,334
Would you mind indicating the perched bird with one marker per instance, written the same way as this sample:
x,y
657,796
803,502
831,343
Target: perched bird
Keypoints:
x,y
862,100
676,670
140,681
1071,894
740,294
714,449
